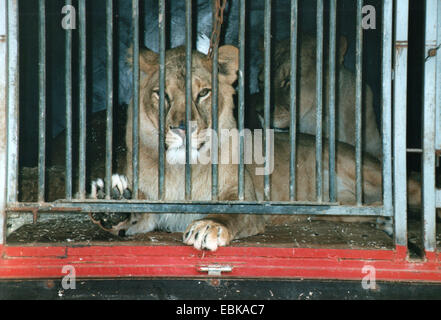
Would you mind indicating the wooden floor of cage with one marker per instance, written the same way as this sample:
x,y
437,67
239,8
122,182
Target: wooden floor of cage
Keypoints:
x,y
304,234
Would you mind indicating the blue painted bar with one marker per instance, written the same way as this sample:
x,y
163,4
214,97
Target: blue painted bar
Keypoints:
x,y
332,99
428,156
68,83
82,100
293,104
319,105
41,101
214,115
188,96
229,207
267,93
162,71
135,99
241,100
438,81
12,53
109,102
358,103
400,121
3,120
387,105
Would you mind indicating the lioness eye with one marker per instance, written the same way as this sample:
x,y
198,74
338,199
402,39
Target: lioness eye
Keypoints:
x,y
203,93
156,93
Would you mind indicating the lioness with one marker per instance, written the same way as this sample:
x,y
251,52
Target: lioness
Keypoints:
x,y
212,230
345,104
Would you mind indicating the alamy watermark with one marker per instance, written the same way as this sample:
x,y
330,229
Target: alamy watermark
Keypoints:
x,y
258,148
369,280
369,20
69,280
69,20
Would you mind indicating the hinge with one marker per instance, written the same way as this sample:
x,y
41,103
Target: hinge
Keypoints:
x,y
215,269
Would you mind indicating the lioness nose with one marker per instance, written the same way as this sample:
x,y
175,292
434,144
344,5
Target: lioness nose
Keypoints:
x,y
179,130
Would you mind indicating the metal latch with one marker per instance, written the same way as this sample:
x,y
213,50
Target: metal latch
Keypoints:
x,y
215,269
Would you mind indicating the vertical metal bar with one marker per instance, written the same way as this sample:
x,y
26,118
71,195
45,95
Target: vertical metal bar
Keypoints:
x,y
400,122
214,114
241,78
267,93
135,99
438,81
358,101
12,53
428,156
438,198
332,91
319,103
188,96
3,118
82,100
161,169
293,102
387,105
42,101
109,114
68,83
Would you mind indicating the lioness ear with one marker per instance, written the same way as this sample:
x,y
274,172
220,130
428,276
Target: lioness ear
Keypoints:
x,y
228,63
342,49
148,60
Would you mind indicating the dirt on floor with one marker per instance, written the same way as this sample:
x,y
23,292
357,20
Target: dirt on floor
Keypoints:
x,y
307,234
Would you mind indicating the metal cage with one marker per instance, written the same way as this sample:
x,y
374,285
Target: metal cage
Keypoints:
x,y
393,132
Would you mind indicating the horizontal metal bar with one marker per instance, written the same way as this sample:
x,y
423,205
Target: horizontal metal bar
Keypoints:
x,y
267,208
414,150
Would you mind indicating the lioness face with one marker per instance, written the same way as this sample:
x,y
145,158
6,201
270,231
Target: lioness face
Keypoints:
x,y
175,98
281,75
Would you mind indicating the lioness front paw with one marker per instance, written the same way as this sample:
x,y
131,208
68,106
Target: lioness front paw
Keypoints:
x,y
111,221
206,234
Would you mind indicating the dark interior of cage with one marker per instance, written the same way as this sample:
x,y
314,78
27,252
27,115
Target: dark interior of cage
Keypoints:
x,y
63,227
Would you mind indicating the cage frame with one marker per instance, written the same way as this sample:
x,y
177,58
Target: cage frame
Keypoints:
x,y
121,261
